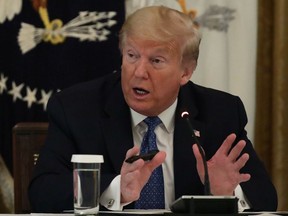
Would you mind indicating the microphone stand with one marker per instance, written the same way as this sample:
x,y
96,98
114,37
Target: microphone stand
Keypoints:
x,y
207,190
203,205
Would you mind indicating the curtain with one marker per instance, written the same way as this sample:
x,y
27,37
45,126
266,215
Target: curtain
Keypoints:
x,y
271,123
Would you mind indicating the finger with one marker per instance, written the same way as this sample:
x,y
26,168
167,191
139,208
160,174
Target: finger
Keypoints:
x,y
244,177
157,160
226,145
236,151
240,163
127,167
131,176
133,151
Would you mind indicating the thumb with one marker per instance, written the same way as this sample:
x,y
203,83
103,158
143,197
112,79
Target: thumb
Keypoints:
x,y
197,153
199,161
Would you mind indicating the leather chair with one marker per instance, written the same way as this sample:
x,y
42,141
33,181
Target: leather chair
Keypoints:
x,y
28,137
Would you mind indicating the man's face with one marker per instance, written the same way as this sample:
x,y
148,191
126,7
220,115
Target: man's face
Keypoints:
x,y
152,75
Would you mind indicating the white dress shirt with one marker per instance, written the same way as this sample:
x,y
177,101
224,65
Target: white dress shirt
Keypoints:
x,y
164,132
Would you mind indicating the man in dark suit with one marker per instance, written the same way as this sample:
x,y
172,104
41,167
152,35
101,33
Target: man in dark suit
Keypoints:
x,y
160,48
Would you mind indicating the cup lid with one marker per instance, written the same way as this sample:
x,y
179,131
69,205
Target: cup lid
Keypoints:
x,y
86,158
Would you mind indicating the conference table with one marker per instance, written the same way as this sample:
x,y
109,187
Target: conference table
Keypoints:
x,y
152,212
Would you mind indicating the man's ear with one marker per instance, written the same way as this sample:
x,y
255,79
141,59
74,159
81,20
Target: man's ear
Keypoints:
x,y
187,73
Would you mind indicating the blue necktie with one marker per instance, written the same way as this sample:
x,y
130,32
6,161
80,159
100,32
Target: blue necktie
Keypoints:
x,y
152,194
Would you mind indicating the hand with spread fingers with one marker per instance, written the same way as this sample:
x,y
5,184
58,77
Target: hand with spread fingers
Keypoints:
x,y
224,167
135,175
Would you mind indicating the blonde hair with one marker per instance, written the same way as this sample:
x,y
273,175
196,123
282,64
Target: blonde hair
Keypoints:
x,y
163,24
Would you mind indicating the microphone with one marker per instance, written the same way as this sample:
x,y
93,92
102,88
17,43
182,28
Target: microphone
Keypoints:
x,y
207,204
207,191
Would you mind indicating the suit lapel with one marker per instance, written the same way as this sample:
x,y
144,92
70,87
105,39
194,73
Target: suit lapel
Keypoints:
x,y
117,127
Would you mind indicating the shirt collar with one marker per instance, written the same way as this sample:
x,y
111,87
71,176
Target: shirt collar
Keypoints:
x,y
167,117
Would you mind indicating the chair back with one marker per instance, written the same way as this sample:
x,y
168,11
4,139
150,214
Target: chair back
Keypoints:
x,y
28,137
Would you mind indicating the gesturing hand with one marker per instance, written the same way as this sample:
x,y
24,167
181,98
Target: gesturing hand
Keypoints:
x,y
224,167
134,176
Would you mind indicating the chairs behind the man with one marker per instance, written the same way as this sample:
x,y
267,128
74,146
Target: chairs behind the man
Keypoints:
x,y
28,138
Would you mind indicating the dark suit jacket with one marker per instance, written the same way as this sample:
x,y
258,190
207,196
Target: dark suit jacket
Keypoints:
x,y
93,118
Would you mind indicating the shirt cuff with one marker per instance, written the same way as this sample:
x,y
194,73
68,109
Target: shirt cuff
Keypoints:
x,y
243,203
111,197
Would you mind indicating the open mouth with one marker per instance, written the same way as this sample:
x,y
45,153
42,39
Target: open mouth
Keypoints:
x,y
140,91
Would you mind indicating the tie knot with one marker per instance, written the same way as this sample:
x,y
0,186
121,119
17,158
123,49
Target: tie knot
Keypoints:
x,y
152,122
